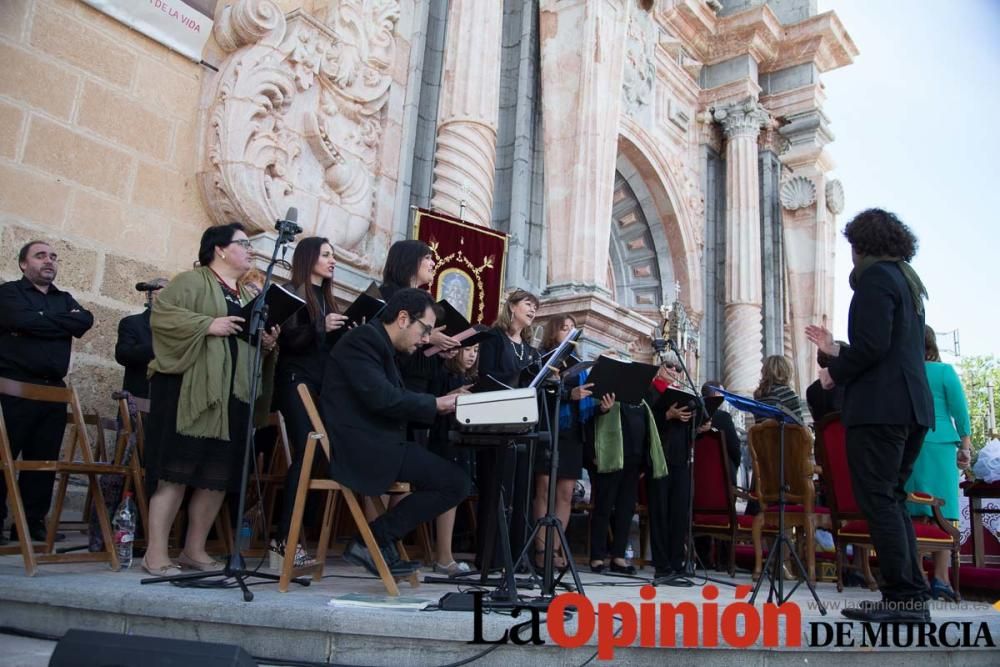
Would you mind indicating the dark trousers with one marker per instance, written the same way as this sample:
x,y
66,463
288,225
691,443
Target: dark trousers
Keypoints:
x,y
297,425
438,485
669,498
880,458
614,496
506,470
36,431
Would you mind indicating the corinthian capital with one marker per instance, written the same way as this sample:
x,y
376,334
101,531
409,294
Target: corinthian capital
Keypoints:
x,y
741,119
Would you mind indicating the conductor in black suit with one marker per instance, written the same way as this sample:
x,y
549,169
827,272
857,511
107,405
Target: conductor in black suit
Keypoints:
x,y
887,402
134,348
366,408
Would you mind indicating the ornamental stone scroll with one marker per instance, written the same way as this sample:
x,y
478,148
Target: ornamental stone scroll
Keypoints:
x,y
295,116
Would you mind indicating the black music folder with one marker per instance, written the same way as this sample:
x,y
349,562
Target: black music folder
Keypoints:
x,y
365,308
459,328
628,380
281,304
686,399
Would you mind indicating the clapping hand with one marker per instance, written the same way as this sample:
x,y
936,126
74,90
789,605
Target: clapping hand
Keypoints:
x,y
822,338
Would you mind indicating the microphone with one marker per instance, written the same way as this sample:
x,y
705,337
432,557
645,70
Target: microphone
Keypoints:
x,y
289,225
148,287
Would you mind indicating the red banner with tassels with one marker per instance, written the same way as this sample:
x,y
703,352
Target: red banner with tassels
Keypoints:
x,y
470,262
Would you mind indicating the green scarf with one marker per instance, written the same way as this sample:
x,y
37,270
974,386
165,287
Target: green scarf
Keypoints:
x,y
610,447
917,290
182,314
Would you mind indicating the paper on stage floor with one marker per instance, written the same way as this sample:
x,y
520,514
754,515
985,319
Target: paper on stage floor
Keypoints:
x,y
401,602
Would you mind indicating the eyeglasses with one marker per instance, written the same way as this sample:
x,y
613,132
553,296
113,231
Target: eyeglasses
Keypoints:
x,y
244,243
428,329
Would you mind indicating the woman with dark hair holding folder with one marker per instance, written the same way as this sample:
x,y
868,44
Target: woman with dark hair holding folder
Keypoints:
x,y
305,344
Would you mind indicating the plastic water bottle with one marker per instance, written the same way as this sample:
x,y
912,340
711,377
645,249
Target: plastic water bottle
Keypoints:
x,y
124,525
629,554
246,531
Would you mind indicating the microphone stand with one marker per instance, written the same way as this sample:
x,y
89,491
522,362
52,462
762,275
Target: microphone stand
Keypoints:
x,y
690,567
235,567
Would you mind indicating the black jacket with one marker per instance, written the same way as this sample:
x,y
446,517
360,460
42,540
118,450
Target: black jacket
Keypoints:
x,y
134,351
37,331
366,407
882,370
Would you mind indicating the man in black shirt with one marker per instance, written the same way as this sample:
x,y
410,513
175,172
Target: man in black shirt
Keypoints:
x,y
134,348
38,322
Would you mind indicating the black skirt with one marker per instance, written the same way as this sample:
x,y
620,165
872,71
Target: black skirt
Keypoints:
x,y
204,463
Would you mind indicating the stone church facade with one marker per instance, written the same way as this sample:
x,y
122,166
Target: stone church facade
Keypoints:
x,y
645,156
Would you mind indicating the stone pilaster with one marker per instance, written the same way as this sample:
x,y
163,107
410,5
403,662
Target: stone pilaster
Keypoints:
x,y
465,158
582,65
743,342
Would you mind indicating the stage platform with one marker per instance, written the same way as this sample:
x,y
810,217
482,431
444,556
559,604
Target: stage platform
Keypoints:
x,y
299,625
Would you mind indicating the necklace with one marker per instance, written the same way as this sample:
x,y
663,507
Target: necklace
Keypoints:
x,y
518,348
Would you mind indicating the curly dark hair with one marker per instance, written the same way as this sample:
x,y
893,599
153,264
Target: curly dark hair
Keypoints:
x,y
879,233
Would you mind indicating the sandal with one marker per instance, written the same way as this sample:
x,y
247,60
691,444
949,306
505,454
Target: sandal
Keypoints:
x,y
204,566
165,571
941,590
453,568
276,556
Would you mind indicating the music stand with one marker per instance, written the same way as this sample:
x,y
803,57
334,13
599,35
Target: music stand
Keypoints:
x,y
550,522
775,557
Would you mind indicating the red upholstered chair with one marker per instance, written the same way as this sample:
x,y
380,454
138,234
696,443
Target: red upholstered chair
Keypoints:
x,y
849,524
715,496
801,511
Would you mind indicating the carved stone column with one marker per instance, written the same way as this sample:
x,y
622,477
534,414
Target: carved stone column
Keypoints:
x,y
743,339
583,56
465,157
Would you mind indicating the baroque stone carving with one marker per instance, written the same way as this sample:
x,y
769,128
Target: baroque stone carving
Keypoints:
x,y
744,118
640,73
798,192
835,197
295,115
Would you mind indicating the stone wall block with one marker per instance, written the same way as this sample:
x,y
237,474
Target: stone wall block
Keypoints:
x,y
124,121
120,276
68,39
12,15
36,198
76,264
11,127
73,155
96,218
173,91
164,190
100,340
95,384
39,82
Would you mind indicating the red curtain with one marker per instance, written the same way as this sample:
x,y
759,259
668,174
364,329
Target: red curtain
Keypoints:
x,y
470,264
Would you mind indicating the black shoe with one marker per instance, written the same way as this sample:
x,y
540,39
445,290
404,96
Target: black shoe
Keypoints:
x,y
37,531
396,558
622,569
887,611
597,569
357,553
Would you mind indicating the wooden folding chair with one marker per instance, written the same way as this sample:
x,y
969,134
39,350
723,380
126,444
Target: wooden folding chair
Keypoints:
x,y
267,482
99,426
331,489
63,468
136,480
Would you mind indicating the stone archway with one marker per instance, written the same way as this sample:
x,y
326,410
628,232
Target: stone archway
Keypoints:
x,y
640,263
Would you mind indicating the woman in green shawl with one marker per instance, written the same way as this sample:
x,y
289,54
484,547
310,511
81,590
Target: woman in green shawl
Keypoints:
x,y
199,396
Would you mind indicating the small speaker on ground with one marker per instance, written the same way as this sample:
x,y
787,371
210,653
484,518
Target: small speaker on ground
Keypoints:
x,y
84,648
